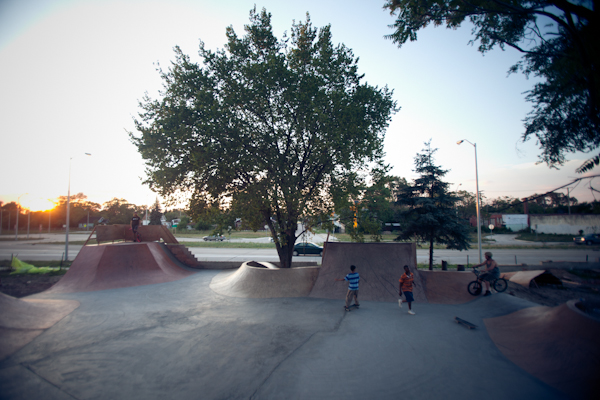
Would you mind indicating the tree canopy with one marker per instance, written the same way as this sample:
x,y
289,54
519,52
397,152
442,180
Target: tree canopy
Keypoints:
x,y
429,209
275,128
559,43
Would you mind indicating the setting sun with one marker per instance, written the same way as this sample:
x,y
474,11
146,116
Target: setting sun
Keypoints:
x,y
35,203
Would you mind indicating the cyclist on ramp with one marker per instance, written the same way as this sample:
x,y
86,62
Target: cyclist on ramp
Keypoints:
x,y
491,272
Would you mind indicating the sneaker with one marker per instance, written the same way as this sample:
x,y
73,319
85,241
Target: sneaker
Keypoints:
x,y
488,293
400,303
411,312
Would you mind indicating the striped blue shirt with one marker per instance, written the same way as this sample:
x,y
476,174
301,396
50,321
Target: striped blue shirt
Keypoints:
x,y
352,278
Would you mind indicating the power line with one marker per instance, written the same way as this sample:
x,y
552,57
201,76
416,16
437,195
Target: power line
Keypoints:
x,y
527,199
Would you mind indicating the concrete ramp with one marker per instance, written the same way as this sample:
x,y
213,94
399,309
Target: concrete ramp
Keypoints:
x,y
447,287
21,320
264,280
148,233
524,278
558,345
120,265
380,266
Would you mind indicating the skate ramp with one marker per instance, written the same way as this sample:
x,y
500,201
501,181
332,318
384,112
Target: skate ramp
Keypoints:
x,y
148,233
254,280
120,265
22,320
446,287
558,345
380,266
524,278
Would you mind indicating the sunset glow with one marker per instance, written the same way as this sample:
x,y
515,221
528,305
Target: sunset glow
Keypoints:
x,y
35,203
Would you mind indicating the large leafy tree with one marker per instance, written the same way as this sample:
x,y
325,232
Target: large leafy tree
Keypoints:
x,y
429,209
273,128
559,42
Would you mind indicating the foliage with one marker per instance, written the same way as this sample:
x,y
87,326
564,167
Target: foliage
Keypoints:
x,y
79,209
370,207
118,211
559,43
156,214
430,209
273,129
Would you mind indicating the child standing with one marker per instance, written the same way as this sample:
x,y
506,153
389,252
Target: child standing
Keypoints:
x,y
406,285
352,293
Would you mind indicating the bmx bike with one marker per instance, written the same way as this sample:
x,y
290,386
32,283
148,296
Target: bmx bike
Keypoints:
x,y
136,236
475,287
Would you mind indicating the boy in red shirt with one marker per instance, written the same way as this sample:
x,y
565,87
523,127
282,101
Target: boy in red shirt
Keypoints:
x,y
406,285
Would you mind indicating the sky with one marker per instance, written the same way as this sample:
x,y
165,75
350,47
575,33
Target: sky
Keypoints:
x,y
73,71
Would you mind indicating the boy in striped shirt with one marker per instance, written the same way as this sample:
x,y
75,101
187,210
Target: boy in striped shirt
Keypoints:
x,y
406,285
352,279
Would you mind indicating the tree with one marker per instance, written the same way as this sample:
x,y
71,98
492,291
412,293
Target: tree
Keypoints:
x,y
370,206
559,43
273,128
156,214
118,211
430,213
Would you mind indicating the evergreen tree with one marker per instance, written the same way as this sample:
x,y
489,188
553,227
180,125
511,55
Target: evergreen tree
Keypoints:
x,y
429,209
155,214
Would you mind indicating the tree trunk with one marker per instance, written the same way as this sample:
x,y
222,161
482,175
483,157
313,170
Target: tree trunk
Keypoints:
x,y
285,247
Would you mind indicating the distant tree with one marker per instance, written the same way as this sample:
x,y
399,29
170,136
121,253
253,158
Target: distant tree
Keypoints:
x,y
560,46
370,207
430,209
272,128
118,211
156,214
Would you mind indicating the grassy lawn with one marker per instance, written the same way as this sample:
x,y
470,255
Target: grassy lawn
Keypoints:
x,y
543,237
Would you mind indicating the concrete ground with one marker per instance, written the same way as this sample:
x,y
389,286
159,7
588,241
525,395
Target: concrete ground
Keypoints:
x,y
181,340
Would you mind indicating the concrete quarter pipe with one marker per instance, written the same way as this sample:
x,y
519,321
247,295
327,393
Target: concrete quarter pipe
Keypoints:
x,y
380,266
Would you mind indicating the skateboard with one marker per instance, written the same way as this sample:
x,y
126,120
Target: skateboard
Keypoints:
x,y
351,307
465,323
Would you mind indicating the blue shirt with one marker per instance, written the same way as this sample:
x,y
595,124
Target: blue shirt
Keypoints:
x,y
352,278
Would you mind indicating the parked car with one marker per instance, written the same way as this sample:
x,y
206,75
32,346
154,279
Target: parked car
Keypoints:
x,y
589,239
308,248
214,238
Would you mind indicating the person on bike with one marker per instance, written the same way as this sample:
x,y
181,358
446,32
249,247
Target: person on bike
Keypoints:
x,y
406,284
352,293
135,223
490,272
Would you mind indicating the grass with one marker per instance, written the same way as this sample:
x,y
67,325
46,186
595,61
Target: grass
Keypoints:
x,y
543,237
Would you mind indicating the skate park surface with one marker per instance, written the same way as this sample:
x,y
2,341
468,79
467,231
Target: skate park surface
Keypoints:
x,y
178,338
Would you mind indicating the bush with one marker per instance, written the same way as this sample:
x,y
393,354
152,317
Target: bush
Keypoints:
x,y
203,226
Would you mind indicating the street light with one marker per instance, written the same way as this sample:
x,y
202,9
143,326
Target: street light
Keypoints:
x,y
18,212
68,211
476,197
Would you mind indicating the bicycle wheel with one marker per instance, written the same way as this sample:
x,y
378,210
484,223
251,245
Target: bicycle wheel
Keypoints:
x,y
500,285
474,288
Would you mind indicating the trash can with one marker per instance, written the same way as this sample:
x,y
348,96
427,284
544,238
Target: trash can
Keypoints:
x,y
444,265
460,267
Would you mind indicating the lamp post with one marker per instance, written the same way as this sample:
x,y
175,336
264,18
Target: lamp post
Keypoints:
x,y
68,210
18,212
476,196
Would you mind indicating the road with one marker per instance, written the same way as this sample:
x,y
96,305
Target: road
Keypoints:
x,y
47,250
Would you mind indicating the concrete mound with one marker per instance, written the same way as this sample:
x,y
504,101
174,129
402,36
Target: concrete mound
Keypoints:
x,y
380,266
21,320
447,287
558,345
254,280
120,265
524,278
